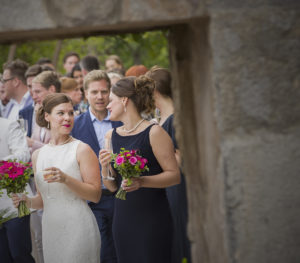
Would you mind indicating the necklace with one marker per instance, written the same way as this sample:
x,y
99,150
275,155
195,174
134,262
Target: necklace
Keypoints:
x,y
64,142
134,128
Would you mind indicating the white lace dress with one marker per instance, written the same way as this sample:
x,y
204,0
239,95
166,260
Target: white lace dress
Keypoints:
x,y
70,230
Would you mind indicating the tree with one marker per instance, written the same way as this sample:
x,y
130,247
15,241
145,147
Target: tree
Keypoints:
x,y
148,48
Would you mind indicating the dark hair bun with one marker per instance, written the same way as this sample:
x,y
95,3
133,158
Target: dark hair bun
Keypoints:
x,y
144,88
40,117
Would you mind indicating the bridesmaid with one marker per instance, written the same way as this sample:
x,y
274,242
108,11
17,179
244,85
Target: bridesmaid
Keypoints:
x,y
142,225
177,195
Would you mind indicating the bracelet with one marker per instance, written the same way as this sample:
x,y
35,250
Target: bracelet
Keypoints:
x,y
108,178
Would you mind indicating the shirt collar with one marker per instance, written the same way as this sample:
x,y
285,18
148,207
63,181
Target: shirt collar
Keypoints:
x,y
24,99
94,118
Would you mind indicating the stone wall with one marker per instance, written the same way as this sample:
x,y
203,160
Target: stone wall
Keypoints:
x,y
256,82
236,74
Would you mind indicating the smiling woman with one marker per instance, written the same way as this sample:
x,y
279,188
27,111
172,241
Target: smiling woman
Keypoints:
x,y
75,178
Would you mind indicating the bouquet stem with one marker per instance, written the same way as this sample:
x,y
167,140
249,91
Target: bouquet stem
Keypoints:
x,y
121,194
23,209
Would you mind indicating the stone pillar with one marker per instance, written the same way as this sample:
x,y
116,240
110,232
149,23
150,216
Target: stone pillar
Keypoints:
x,y
191,64
256,59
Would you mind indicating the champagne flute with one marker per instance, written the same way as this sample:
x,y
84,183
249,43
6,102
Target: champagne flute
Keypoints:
x,y
48,176
108,146
24,125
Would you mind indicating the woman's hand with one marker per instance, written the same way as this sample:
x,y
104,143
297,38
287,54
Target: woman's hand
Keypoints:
x,y
17,199
54,175
135,185
104,158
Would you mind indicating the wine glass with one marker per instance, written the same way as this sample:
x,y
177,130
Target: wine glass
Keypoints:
x,y
24,125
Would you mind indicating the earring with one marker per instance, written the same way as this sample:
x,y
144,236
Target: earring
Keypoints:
x,y
48,126
124,108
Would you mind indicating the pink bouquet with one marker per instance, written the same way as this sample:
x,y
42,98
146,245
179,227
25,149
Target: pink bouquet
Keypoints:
x,y
129,165
13,178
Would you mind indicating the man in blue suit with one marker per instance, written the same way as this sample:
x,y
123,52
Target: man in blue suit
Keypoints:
x,y
91,127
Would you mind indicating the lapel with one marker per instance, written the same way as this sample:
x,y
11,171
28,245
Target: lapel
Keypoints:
x,y
116,124
91,131
30,114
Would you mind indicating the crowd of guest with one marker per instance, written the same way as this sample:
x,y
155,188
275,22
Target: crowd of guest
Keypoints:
x,y
131,108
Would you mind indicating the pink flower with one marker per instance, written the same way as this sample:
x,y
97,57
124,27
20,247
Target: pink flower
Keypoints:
x,y
128,155
142,165
120,160
133,152
133,160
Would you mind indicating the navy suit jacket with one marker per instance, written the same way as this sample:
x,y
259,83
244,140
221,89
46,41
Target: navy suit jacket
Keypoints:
x,y
84,130
27,114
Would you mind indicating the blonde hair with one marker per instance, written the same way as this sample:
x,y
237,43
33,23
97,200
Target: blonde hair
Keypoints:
x,y
96,75
47,79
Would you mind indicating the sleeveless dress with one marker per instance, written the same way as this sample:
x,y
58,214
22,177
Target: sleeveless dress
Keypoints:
x,y
70,231
142,224
177,197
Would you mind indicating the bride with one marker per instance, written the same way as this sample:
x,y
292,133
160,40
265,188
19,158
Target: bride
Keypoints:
x,y
67,174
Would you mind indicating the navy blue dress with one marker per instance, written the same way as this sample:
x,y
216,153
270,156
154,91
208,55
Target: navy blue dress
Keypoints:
x,y
177,197
142,224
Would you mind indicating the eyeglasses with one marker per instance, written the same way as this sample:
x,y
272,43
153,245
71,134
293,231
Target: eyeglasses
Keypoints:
x,y
5,80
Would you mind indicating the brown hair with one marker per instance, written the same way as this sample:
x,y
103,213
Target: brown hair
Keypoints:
x,y
68,84
47,79
136,70
162,78
139,90
116,58
33,71
51,101
17,69
96,75
70,54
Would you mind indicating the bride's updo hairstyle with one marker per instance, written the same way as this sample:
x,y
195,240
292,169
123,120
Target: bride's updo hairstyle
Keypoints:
x,y
139,90
51,101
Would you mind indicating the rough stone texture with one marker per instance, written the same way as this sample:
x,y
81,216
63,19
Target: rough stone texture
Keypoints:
x,y
236,75
70,18
256,79
198,140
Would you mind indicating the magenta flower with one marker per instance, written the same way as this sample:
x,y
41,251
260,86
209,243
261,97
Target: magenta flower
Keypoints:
x,y
133,152
142,165
132,160
120,160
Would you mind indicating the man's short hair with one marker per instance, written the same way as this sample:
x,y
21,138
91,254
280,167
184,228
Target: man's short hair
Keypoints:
x,y
95,75
70,54
43,61
33,71
90,63
47,79
17,69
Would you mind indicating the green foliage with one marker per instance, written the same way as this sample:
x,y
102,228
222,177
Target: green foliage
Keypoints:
x,y
149,48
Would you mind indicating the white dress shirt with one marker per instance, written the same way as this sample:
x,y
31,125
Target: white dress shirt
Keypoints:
x,y
14,113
